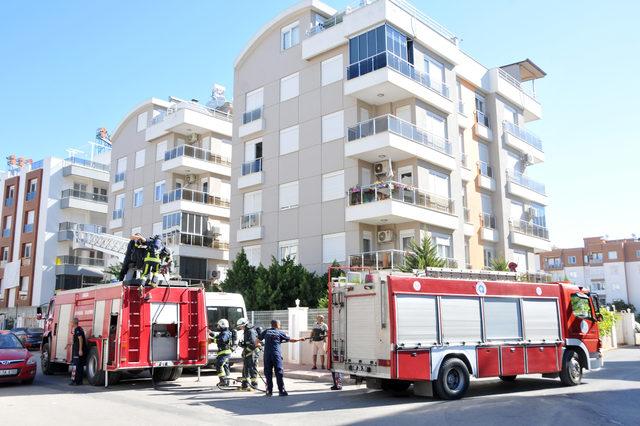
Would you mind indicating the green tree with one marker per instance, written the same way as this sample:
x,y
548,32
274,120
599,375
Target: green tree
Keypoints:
x,y
113,270
241,278
621,305
423,255
608,321
499,264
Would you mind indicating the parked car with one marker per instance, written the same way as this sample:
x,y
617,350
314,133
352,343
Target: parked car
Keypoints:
x,y
17,364
30,337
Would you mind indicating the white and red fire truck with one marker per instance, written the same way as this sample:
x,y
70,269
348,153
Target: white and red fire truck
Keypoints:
x,y
435,332
162,328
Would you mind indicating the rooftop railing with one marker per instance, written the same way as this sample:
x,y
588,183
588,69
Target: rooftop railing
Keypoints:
x,y
197,153
252,115
397,191
87,163
251,220
529,228
393,124
527,182
74,193
253,166
515,83
194,196
193,106
522,134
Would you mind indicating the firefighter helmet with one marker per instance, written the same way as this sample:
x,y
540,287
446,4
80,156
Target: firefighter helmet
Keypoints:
x,y
223,323
242,322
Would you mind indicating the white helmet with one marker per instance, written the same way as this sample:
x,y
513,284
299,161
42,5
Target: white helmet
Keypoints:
x,y
223,323
242,322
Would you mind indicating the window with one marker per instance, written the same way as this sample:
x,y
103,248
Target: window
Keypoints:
x,y
26,250
554,263
121,168
140,159
596,257
252,202
637,253
333,126
194,224
119,204
333,247
502,319
406,236
288,249
5,254
367,238
253,254
290,35
156,228
438,184
136,230
6,228
489,255
161,148
33,187
443,244
289,195
24,284
159,190
28,224
288,140
254,100
571,260
332,70
142,121
580,306
333,186
138,197
435,70
171,220
510,114
289,87
612,255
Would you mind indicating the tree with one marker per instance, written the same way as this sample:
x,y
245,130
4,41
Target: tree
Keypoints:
x,y
241,278
621,305
499,264
113,270
423,255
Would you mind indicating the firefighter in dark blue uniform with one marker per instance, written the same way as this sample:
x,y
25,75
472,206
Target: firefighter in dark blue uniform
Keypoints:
x,y
273,338
224,341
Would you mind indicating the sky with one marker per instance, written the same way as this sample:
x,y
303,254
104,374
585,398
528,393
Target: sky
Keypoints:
x,y
67,68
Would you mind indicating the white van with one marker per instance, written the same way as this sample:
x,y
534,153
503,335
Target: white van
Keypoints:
x,y
231,307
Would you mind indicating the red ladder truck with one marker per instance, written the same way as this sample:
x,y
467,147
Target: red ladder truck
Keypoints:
x,y
128,330
436,330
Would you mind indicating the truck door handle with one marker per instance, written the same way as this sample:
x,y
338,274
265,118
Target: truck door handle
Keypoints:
x,y
414,354
512,349
55,329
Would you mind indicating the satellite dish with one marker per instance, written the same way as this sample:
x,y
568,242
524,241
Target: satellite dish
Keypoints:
x,y
218,98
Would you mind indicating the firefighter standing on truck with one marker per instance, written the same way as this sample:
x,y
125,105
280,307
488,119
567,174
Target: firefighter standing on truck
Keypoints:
x,y
224,341
250,353
156,254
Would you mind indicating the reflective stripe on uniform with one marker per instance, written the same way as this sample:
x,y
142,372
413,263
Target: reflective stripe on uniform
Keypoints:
x,y
224,352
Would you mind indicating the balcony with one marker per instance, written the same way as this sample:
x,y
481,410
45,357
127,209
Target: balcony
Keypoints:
x,y
76,199
67,229
118,182
468,227
8,202
252,122
187,159
528,234
187,117
393,203
554,266
505,84
116,219
252,174
387,136
6,233
385,78
27,228
25,261
76,265
382,259
194,201
200,246
523,141
465,172
74,166
488,230
30,196
523,186
250,227
482,127
485,179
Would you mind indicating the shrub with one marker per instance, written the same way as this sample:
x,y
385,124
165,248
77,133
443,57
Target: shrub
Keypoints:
x,y
608,321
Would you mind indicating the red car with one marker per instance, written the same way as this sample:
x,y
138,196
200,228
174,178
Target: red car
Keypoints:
x,y
16,362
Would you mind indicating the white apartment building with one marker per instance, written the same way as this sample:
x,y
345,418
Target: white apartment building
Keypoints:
x,y
171,163
609,268
42,203
363,129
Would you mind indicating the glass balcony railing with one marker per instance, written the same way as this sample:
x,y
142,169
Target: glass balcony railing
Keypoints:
x,y
251,220
554,266
194,196
467,214
252,115
87,163
75,193
119,177
400,192
482,118
484,169
388,59
80,261
87,227
488,220
522,134
527,182
393,124
328,23
117,214
253,166
8,202
181,104
6,233
529,228
197,153
381,259
28,227
177,237
30,196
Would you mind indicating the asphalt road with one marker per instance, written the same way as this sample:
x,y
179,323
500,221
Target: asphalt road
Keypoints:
x,y
608,396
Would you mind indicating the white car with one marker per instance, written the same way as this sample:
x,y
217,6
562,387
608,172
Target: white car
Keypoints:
x,y
231,307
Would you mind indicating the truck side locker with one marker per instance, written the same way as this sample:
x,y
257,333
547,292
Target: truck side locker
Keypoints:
x,y
414,364
488,361
542,359
512,360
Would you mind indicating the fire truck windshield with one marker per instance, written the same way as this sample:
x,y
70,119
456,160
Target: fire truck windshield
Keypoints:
x,y
230,313
581,306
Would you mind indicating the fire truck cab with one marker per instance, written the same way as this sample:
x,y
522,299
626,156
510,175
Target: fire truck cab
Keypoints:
x,y
437,330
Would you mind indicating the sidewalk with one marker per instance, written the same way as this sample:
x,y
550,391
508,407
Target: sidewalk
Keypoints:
x,y
304,372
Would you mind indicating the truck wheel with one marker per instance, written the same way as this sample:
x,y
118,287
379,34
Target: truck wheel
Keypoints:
x,y
176,372
453,379
571,373
95,375
47,366
507,378
395,386
161,374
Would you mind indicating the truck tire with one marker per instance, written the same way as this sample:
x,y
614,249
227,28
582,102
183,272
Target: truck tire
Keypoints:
x,y
508,378
453,379
571,373
48,367
395,386
176,372
161,374
95,375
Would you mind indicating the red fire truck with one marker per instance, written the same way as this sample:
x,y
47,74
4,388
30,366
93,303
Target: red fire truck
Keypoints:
x,y
162,328
435,332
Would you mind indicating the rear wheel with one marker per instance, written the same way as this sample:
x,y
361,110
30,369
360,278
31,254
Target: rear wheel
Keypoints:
x,y
95,375
161,374
453,379
507,378
48,367
571,373
176,372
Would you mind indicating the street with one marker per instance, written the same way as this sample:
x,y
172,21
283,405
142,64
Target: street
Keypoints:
x,y
608,396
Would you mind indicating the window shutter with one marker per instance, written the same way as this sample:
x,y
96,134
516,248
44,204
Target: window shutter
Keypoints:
x,y
333,186
332,70
460,319
289,87
333,247
289,138
333,126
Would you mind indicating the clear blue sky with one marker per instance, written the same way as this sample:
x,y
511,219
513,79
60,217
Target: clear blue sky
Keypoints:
x,y
69,67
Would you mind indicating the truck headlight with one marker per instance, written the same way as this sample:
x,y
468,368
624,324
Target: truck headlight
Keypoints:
x,y
31,360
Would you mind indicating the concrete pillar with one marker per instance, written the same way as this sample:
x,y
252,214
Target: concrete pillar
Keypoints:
x,y
297,324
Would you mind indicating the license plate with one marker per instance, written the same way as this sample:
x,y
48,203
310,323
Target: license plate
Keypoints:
x,y
8,372
163,364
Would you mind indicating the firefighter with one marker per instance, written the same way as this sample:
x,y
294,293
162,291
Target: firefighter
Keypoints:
x,y
224,341
273,338
156,254
250,353
134,256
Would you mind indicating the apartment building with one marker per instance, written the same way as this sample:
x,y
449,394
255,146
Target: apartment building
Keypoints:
x,y
610,268
360,130
42,203
171,167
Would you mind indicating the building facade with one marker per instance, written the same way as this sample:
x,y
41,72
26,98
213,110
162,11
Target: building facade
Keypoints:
x,y
361,130
42,204
610,268
170,176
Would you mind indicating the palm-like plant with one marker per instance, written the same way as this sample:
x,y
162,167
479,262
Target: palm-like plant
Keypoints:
x,y
499,264
422,255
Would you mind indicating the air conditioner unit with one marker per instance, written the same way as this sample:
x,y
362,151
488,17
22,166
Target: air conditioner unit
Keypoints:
x,y
382,168
215,274
192,138
385,236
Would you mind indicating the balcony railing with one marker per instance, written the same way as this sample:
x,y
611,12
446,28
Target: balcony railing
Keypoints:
x,y
197,153
252,115
253,166
554,266
117,214
488,220
25,261
527,182
381,259
119,177
251,220
388,59
30,196
194,196
329,22
484,169
6,233
87,227
177,237
482,118
28,227
83,261
8,202
75,193
87,163
193,106
467,214
461,108
400,192
522,134
463,160
515,83
393,124
529,228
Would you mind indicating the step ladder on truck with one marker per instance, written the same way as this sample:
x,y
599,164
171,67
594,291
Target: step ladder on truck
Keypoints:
x,y
437,328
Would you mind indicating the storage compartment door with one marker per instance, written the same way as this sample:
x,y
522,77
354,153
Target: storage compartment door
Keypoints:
x,y
362,336
63,334
164,331
512,362
488,362
414,365
416,321
542,359
540,320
